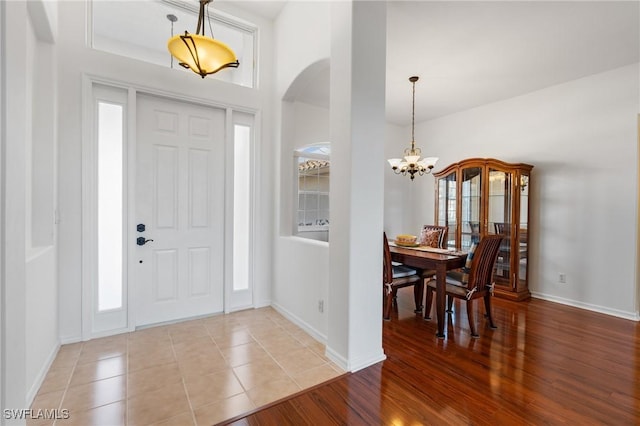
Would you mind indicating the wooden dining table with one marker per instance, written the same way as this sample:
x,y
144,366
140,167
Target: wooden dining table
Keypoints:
x,y
441,260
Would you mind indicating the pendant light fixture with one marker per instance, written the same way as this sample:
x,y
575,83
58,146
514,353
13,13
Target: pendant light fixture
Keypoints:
x,y
411,163
199,53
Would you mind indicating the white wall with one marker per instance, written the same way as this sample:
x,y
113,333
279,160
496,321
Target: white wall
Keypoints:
x,y
581,138
29,262
40,191
14,134
301,39
301,265
300,277
41,318
76,59
397,188
307,33
358,73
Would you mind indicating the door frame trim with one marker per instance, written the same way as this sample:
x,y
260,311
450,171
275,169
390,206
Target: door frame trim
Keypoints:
x,y
88,267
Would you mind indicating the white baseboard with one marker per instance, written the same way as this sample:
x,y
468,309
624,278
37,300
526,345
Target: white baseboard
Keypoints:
x,y
35,387
359,364
337,359
262,303
67,340
633,316
322,338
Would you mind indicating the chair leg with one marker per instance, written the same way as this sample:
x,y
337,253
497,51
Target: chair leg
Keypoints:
x,y
387,307
418,292
472,322
427,303
449,304
487,308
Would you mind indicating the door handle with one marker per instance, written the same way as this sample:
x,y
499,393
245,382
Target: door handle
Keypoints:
x,y
142,241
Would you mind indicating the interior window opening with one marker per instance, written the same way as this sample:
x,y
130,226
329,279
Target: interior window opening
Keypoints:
x,y
312,168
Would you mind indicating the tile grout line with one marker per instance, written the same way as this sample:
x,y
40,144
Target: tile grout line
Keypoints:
x,y
245,323
66,388
245,390
273,357
182,380
126,385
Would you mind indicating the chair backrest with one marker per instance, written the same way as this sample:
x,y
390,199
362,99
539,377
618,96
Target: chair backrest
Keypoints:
x,y
442,237
483,261
387,267
502,228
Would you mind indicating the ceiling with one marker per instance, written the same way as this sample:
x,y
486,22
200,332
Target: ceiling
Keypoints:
x,y
266,8
473,53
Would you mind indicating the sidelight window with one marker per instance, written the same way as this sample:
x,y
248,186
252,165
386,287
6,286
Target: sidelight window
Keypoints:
x,y
110,208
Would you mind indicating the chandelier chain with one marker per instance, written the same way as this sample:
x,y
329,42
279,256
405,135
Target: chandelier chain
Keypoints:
x,y
413,116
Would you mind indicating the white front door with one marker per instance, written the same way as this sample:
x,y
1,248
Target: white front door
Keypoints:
x,y
180,203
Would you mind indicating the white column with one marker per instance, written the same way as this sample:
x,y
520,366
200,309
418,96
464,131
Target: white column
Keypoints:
x,y
358,62
12,225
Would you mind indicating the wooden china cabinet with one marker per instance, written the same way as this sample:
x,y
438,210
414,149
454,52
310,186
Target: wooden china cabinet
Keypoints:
x,y
483,196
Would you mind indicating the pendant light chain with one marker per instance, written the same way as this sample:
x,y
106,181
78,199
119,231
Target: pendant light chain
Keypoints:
x,y
413,117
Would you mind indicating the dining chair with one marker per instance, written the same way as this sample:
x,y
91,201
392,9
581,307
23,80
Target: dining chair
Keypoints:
x,y
434,236
398,276
475,231
477,283
501,228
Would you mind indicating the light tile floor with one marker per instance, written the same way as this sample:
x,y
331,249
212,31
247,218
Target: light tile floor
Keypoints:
x,y
197,372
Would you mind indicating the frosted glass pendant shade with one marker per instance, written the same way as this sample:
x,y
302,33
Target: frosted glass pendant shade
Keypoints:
x,y
201,54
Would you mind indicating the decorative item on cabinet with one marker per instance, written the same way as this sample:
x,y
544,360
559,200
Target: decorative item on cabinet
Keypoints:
x,y
485,196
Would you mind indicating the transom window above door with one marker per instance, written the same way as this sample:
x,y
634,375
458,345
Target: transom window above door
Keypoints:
x,y
141,29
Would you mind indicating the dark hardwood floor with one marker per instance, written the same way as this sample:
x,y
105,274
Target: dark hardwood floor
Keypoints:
x,y
545,364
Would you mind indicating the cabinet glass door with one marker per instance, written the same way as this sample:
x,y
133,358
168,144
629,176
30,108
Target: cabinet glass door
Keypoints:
x,y
447,198
470,215
499,214
523,232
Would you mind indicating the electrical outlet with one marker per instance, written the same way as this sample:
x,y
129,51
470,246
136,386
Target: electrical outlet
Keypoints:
x,y
320,306
562,278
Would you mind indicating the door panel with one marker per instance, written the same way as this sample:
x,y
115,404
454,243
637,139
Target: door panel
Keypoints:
x,y
180,272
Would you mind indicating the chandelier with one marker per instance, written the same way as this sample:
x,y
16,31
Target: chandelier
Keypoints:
x,y
199,53
411,163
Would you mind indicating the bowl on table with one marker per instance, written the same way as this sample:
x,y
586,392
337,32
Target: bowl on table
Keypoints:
x,y
406,240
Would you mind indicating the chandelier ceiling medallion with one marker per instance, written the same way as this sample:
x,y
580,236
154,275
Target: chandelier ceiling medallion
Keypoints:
x,y
411,163
199,53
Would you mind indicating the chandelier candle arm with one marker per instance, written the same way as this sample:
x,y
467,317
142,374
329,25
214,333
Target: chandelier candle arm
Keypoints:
x,y
412,164
199,53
